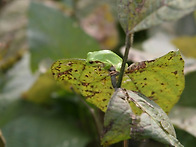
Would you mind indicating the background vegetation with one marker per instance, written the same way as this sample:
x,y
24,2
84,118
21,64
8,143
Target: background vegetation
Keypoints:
x,y
35,110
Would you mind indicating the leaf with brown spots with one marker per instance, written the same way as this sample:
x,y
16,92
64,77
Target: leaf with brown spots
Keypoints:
x,y
92,80
136,15
161,80
120,123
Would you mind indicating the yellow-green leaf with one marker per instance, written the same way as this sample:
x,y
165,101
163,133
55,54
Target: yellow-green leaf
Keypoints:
x,y
162,80
39,95
92,80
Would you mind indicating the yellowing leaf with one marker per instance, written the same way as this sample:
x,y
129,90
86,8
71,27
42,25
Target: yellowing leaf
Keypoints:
x,y
187,45
161,80
39,95
92,80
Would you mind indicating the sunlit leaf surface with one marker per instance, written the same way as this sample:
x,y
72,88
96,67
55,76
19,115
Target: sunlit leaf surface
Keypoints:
x,y
161,80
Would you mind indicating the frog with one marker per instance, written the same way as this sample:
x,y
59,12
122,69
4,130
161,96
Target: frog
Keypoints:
x,y
109,58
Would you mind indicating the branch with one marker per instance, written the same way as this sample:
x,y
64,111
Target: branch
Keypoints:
x,y
128,45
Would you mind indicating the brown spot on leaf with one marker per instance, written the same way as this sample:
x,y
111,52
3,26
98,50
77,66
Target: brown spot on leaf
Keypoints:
x,y
152,92
69,63
85,84
136,66
65,73
175,72
145,78
170,58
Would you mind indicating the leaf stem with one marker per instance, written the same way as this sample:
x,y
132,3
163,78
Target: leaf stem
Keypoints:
x,y
128,45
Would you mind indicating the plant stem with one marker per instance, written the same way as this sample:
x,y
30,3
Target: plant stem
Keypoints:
x,y
125,143
128,45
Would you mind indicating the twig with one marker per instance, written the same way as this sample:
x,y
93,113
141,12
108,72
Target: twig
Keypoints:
x,y
125,143
128,45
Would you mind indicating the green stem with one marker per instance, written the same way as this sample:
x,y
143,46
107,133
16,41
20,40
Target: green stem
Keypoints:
x,y
128,45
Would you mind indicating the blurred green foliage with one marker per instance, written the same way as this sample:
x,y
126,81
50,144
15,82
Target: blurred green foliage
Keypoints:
x,y
34,109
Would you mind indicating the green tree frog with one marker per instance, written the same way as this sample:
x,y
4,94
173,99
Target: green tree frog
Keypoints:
x,y
108,57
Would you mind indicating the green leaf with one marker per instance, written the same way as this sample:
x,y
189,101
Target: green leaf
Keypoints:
x,y
161,80
121,123
17,80
139,14
188,96
117,119
185,138
39,127
54,35
43,89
